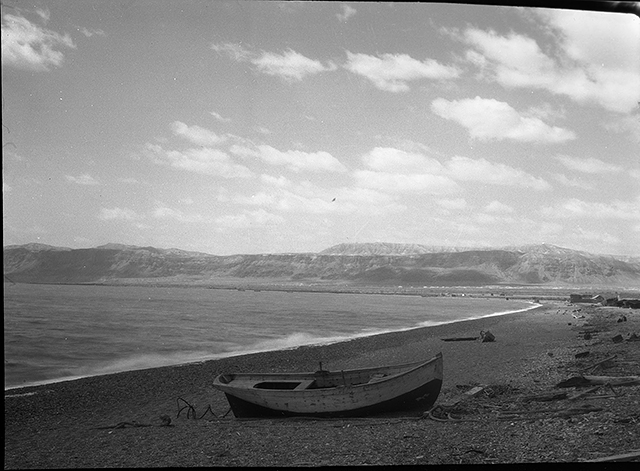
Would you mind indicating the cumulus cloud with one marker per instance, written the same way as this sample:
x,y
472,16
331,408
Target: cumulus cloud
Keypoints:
x,y
454,204
196,134
617,209
498,207
84,179
574,182
204,160
393,72
489,119
295,160
28,46
290,65
397,171
219,117
403,183
286,196
91,32
346,13
627,124
164,212
598,58
588,165
481,170
388,159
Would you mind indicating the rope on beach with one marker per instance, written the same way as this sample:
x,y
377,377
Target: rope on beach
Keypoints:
x,y
191,411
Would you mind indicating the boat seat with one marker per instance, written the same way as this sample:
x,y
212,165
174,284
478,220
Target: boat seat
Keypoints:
x,y
377,377
305,384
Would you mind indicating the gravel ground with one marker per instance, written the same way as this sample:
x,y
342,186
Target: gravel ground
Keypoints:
x,y
72,424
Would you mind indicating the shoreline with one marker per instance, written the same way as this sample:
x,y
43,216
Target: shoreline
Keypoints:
x,y
72,424
421,325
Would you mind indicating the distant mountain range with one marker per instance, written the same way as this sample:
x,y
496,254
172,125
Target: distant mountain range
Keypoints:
x,y
364,263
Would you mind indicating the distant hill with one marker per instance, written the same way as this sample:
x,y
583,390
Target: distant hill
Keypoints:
x,y
367,263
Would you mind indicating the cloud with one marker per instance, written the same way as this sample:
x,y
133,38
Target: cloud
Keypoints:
x,y
219,117
575,208
196,134
498,207
588,165
284,195
290,65
574,182
91,32
346,13
455,204
481,170
126,214
28,46
164,212
598,58
295,160
489,119
84,179
396,171
204,160
403,183
626,124
392,72
388,159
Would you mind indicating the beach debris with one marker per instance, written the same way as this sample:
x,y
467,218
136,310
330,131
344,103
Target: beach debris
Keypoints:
x,y
459,339
547,397
631,456
580,381
487,336
191,411
633,337
473,392
601,363
166,421
618,338
584,394
582,354
539,413
622,318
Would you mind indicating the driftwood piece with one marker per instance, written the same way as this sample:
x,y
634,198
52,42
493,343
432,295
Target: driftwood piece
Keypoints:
x,y
613,380
601,362
459,339
583,393
579,381
631,456
547,397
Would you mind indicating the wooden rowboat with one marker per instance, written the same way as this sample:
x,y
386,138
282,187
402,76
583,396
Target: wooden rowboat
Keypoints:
x,y
347,393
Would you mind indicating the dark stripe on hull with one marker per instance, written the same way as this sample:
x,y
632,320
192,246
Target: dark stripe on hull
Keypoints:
x,y
421,398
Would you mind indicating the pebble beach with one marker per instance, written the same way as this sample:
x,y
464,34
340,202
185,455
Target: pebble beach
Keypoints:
x,y
120,420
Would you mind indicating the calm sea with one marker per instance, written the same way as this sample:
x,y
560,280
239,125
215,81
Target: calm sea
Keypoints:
x,y
58,332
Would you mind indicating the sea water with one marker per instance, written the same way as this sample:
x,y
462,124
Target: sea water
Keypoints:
x,y
60,332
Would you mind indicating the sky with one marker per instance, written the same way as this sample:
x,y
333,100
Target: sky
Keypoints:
x,y
268,127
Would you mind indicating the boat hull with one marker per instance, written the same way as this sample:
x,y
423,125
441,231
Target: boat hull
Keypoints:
x,y
420,399
372,391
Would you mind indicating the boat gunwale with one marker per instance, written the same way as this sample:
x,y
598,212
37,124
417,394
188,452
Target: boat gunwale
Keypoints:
x,y
247,384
